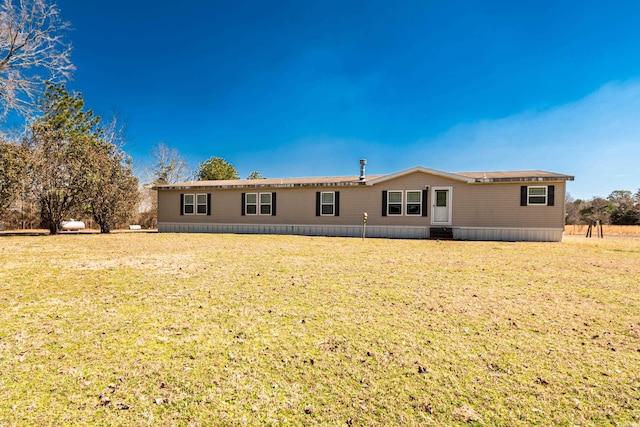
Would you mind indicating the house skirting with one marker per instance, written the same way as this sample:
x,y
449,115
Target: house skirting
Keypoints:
x,y
509,234
393,232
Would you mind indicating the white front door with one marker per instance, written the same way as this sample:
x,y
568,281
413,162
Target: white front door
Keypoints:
x,y
441,213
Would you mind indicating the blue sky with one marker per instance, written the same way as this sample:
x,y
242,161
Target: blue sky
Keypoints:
x,y
307,88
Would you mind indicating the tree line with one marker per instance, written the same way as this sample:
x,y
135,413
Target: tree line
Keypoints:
x,y
621,207
67,164
70,164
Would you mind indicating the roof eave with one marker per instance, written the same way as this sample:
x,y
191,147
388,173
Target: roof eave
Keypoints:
x,y
251,186
522,179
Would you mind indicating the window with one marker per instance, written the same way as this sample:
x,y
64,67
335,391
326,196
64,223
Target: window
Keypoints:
x,y
259,204
195,204
187,205
201,204
537,196
265,203
409,202
414,202
251,204
327,203
394,203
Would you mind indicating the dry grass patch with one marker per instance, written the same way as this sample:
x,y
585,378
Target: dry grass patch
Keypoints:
x,y
172,329
607,230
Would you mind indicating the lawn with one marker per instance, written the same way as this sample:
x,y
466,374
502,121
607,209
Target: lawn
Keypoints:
x,y
176,329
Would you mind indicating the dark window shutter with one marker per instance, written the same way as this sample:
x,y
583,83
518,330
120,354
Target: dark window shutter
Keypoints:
x,y
384,203
181,204
425,204
208,203
551,190
317,203
523,195
273,204
243,197
337,203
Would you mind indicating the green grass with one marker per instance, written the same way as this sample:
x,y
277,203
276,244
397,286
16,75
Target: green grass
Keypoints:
x,y
171,329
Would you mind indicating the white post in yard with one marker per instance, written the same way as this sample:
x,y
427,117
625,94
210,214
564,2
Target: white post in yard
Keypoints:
x,y
364,225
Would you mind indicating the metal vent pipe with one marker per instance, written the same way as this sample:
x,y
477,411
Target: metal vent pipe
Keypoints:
x,y
363,162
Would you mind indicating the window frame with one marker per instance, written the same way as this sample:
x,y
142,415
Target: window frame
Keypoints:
x,y
192,204
407,203
544,198
198,204
195,205
261,204
399,204
254,204
332,204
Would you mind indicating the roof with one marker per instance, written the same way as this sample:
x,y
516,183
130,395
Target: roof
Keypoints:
x,y
345,181
341,181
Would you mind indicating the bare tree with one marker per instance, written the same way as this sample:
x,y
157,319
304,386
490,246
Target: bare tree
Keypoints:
x,y
32,51
597,209
168,165
572,209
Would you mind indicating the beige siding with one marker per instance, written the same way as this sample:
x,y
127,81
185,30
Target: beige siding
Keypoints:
x,y
488,205
498,205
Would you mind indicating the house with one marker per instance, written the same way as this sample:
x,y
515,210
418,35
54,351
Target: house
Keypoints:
x,y
418,203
